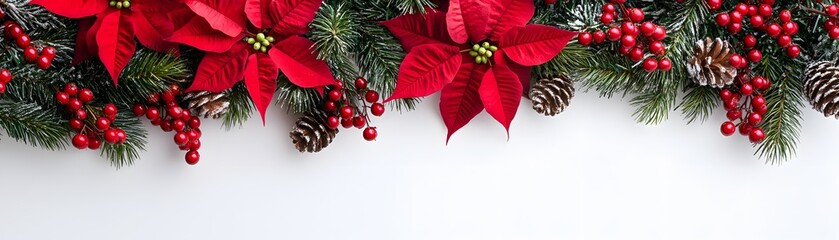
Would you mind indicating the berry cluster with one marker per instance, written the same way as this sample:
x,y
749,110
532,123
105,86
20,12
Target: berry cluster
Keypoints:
x,y
746,106
337,104
831,24
638,40
173,119
91,128
42,59
763,21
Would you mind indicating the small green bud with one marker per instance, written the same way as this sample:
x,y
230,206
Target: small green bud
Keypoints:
x,y
260,37
478,59
256,46
476,47
263,49
482,51
486,45
251,41
493,48
126,4
269,38
112,3
473,53
119,4
488,54
265,43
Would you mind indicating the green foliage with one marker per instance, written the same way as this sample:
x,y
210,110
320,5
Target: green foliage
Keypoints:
x,y
125,154
241,105
32,124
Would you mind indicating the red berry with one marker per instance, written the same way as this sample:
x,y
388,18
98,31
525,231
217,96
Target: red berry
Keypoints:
x,y
74,104
758,101
790,28
760,109
648,28
333,122
749,41
347,112
335,95
121,135
71,89
734,114
14,31
330,106
76,124
103,124
614,34
657,48
175,112
109,109
728,128
80,141
153,113
192,157
139,110
635,14
745,129
359,122
831,10
181,138
784,40
94,143
607,18
377,109
193,135
785,16
346,122
178,125
608,8
636,54
338,85
664,64
62,98
629,28
628,41
773,30
370,134
371,96
167,97
747,89
756,20
793,51
584,38
599,36
755,118
735,27
726,94
760,83
360,83
5,76
48,52
650,64
195,145
765,10
2,88
85,95
44,62
755,55
80,114
756,135
194,122
23,41
723,19
30,54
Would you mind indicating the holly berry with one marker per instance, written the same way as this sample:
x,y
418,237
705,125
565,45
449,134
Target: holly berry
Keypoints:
x,y
43,62
80,141
103,124
192,157
139,110
346,112
756,135
359,122
346,122
71,89
584,38
360,83
728,128
755,118
62,98
48,52
181,138
335,95
332,122
377,109
330,106
371,96
23,41
370,134
85,95
665,65
650,64
109,109
30,54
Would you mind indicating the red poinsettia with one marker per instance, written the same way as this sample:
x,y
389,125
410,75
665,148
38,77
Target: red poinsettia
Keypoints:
x,y
479,54
111,34
256,53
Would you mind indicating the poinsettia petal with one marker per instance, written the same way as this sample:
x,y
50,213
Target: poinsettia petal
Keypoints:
x,y
258,12
90,36
467,19
115,39
506,14
220,71
261,81
83,52
523,72
180,17
460,100
417,29
534,44
292,17
295,58
426,70
152,37
227,16
73,8
501,93
198,33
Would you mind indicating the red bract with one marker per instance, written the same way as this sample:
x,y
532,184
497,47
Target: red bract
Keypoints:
x,y
111,34
221,28
445,51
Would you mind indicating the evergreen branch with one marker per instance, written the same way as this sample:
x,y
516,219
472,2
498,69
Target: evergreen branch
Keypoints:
x,y
414,6
784,100
147,73
125,154
241,105
33,18
699,103
334,30
33,124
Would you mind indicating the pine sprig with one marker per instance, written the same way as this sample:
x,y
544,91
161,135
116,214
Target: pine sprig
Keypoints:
x,y
125,154
334,30
241,105
34,125
699,103
782,122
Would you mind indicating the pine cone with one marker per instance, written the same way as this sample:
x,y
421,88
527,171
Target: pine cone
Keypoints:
x,y
710,63
207,104
821,87
551,96
310,133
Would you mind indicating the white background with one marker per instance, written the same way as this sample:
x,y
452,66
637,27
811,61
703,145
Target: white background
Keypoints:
x,y
591,173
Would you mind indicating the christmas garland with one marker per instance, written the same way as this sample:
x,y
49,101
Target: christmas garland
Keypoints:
x,y
73,73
